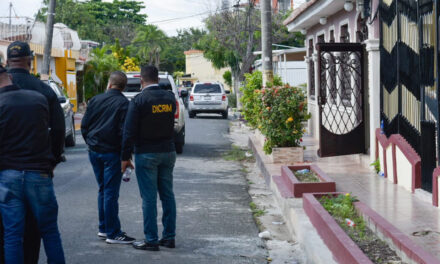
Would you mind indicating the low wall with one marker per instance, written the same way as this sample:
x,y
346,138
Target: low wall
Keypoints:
x,y
399,161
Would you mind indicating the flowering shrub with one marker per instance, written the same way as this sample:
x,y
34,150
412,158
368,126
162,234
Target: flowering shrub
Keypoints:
x,y
251,98
283,112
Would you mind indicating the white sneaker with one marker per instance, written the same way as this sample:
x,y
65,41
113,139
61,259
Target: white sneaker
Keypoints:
x,y
102,236
121,239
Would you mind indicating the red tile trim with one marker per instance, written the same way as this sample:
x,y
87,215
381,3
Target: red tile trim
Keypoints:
x,y
400,240
283,187
299,188
435,176
398,141
343,248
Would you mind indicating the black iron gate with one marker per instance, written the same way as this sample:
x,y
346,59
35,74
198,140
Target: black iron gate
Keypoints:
x,y
409,92
340,99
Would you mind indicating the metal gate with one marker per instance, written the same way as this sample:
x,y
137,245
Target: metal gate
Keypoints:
x,y
340,99
409,90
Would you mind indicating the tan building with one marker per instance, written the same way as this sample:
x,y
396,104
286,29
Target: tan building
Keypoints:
x,y
201,69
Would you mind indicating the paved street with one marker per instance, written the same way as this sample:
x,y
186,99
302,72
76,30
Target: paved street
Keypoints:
x,y
214,222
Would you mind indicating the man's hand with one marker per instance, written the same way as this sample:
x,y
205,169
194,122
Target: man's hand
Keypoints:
x,y
125,164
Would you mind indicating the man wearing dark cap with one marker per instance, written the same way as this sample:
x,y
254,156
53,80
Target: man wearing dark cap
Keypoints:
x,y
26,165
101,128
19,61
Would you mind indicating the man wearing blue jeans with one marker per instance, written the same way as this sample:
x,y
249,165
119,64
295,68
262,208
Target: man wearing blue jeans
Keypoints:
x,y
149,128
26,170
101,128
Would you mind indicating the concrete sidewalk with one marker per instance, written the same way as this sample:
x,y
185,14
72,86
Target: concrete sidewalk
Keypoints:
x,y
408,212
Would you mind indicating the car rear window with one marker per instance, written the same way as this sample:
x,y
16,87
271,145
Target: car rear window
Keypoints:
x,y
207,88
134,85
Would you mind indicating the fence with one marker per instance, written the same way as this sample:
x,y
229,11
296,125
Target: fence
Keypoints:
x,y
409,92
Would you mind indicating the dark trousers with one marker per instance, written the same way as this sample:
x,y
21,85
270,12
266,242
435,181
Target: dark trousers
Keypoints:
x,y
107,169
32,241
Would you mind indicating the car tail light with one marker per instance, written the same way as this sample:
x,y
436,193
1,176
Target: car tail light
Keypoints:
x,y
136,76
191,98
177,114
224,97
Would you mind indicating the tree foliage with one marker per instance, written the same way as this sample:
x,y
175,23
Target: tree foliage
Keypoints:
x,y
97,20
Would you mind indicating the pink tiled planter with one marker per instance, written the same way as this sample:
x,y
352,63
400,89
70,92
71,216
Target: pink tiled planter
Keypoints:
x,y
290,155
344,250
298,188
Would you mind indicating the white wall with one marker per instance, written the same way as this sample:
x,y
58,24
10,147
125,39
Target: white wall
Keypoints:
x,y
292,72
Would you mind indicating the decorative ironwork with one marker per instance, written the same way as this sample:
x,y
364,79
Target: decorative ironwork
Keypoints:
x,y
340,99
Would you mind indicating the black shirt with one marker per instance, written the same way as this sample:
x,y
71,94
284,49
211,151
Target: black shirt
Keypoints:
x,y
26,81
24,130
103,121
149,125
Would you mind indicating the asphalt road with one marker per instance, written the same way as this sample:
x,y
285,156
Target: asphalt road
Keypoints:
x,y
214,223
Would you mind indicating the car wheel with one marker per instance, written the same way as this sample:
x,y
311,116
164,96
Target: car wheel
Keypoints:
x,y
225,114
192,114
71,139
180,141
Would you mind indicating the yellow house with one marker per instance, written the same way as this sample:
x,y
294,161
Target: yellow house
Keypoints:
x,y
201,69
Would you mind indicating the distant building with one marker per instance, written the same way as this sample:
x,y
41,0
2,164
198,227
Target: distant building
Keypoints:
x,y
66,50
201,69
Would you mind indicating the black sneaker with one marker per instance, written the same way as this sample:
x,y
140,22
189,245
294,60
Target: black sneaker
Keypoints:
x,y
144,245
102,236
120,239
169,243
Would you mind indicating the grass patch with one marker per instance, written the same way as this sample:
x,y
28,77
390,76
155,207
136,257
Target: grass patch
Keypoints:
x,y
257,212
238,154
306,177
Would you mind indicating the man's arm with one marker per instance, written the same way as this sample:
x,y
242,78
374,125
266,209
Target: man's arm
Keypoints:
x,y
129,134
85,122
2,124
57,127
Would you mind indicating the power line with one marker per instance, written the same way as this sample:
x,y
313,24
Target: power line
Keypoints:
x,y
180,18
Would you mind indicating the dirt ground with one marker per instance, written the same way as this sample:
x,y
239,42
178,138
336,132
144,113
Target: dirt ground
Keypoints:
x,y
281,246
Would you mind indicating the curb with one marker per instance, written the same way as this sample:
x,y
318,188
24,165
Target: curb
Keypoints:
x,y
297,221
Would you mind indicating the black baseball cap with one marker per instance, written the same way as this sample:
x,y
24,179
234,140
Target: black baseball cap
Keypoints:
x,y
18,49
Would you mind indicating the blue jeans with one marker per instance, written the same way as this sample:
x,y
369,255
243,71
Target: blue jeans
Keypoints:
x,y
154,172
107,168
33,189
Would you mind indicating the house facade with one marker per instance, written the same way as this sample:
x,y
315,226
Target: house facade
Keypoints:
x,y
342,40
198,68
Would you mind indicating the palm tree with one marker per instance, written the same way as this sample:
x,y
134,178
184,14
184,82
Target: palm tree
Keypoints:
x,y
150,41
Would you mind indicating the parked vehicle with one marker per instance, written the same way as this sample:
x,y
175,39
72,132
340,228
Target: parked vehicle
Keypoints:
x,y
68,113
208,98
166,81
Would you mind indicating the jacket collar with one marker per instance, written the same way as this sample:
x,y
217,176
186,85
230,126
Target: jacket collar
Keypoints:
x,y
113,91
151,87
9,88
18,70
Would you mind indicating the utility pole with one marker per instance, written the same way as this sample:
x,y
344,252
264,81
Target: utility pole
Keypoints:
x,y
49,36
10,17
266,39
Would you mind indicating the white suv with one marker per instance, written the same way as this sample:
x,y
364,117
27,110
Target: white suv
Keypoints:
x,y
167,83
208,98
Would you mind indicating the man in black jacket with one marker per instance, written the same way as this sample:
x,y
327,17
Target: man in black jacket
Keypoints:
x,y
149,128
101,128
19,61
26,171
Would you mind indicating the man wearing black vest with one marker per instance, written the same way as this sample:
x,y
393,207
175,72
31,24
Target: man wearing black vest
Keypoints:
x,y
149,128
